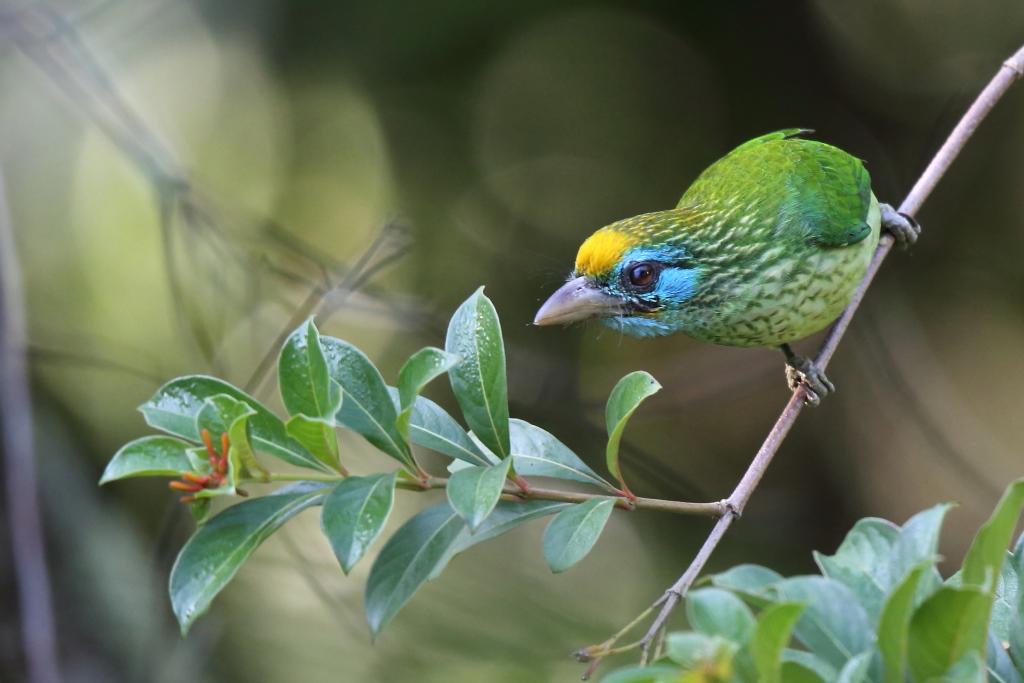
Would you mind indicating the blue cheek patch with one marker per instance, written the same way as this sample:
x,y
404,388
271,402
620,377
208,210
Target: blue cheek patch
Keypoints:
x,y
676,285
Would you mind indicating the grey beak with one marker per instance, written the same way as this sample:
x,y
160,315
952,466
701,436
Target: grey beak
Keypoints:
x,y
578,299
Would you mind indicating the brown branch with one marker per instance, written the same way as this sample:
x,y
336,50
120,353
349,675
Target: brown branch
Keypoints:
x,y
1012,69
23,514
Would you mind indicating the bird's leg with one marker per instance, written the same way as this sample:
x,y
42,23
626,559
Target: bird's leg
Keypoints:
x,y
903,227
801,371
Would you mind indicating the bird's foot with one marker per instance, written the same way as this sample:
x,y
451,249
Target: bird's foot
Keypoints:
x,y
903,228
802,372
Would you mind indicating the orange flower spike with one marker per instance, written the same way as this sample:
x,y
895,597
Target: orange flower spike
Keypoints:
x,y
225,443
185,486
209,447
188,499
195,478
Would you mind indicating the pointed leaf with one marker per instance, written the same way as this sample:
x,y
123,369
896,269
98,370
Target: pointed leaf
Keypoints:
x,y
354,514
537,453
799,665
473,492
918,542
627,395
894,622
302,373
751,581
988,551
431,427
1003,606
422,367
856,669
947,626
407,560
479,382
175,405
366,408
970,669
217,415
833,626
212,556
318,437
716,612
148,457
574,531
998,663
774,628
863,562
241,457
655,673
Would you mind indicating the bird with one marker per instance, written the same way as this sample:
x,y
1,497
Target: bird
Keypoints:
x,y
767,246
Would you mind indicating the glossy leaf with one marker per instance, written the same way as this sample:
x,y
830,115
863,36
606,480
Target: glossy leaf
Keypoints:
x,y
537,453
318,437
863,562
407,560
894,622
773,631
174,407
422,367
430,426
148,457
574,531
717,612
474,491
985,558
212,556
305,385
625,398
367,407
946,627
241,457
833,625
354,514
217,415
479,382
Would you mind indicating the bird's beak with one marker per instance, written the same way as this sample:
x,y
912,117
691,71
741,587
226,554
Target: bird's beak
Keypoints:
x,y
578,299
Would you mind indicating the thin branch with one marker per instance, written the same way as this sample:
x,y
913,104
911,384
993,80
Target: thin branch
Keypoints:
x,y
23,514
1012,69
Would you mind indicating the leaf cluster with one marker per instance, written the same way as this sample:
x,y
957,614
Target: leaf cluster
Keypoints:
x,y
879,612
327,384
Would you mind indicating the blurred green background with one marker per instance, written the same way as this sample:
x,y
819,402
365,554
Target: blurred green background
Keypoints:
x,y
187,177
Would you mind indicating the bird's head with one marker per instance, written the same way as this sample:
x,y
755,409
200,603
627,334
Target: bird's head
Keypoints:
x,y
633,275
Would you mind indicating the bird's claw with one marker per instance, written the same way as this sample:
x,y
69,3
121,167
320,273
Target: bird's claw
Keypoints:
x,y
802,372
904,229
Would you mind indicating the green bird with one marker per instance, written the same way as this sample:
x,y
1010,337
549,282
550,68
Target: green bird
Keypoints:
x,y
766,247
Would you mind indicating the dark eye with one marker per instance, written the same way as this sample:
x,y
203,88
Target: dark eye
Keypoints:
x,y
642,274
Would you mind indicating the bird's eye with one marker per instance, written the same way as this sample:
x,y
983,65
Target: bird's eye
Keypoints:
x,y
642,274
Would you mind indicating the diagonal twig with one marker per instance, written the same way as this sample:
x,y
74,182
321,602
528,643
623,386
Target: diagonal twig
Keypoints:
x,y
1011,70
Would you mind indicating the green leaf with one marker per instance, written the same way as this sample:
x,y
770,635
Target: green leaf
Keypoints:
x,y
431,427
833,625
175,405
367,407
946,627
773,631
200,509
305,385
318,436
988,551
894,622
537,453
216,551
970,669
997,661
354,514
422,367
918,542
627,395
407,560
716,612
856,669
479,382
1003,607
799,665
148,457
656,673
711,657
217,415
474,491
863,562
750,581
574,531
241,458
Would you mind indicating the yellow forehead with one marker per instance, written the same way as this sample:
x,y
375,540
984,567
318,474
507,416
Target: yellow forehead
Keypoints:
x,y
601,252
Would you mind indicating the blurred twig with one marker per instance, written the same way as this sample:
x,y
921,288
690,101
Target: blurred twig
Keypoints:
x,y
1012,69
23,513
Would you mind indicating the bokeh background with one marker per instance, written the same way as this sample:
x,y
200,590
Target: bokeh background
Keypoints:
x,y
189,180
